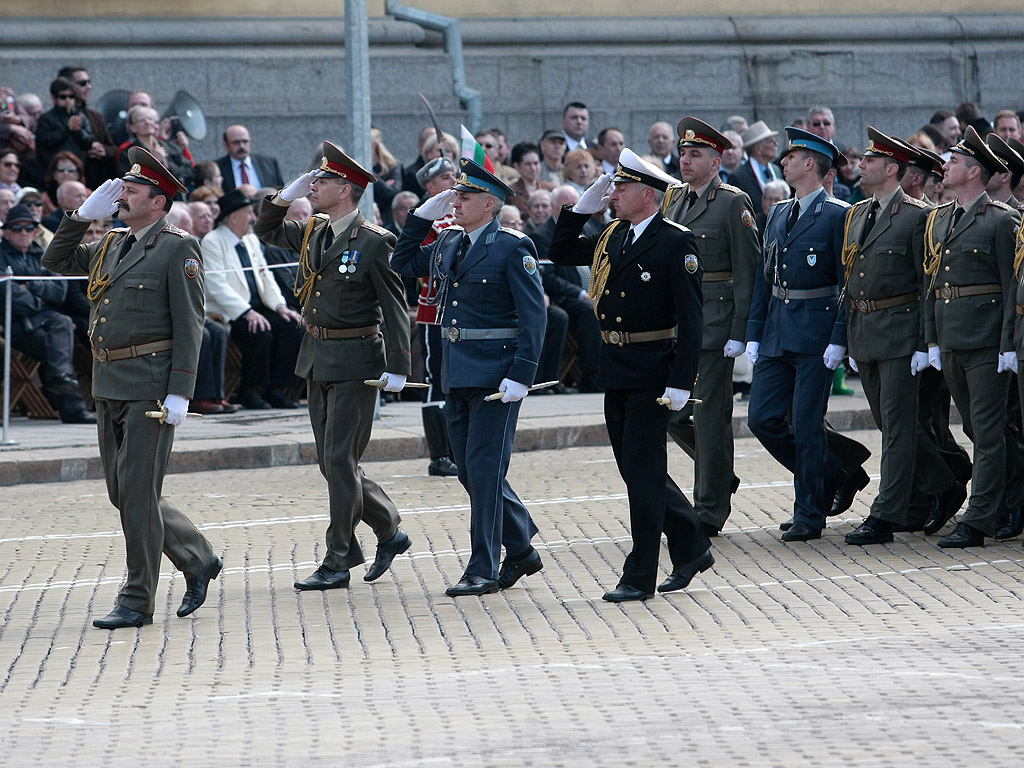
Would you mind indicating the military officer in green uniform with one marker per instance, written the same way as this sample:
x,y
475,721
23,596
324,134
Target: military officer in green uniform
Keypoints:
x,y
347,289
969,320
146,327
721,218
883,254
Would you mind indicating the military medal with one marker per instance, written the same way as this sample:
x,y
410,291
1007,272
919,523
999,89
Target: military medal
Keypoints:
x,y
352,264
343,267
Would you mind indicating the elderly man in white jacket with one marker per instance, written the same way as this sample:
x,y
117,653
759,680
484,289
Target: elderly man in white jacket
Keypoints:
x,y
242,290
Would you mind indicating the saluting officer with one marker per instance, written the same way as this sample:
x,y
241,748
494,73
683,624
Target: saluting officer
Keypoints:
x,y
492,319
969,320
645,282
883,256
720,216
796,336
346,289
146,290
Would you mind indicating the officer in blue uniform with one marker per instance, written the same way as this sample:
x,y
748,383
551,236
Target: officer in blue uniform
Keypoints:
x,y
492,318
796,332
646,285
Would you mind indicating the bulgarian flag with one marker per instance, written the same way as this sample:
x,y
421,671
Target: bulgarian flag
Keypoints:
x,y
472,149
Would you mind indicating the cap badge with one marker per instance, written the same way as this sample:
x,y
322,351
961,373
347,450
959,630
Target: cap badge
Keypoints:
x,y
689,135
135,168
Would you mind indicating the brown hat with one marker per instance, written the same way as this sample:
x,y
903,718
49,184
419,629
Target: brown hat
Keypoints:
x,y
973,146
880,145
757,132
696,133
146,169
336,164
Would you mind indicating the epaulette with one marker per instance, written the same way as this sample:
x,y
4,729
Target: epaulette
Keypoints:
x,y
374,228
862,202
676,225
729,188
1001,204
515,232
837,201
915,202
175,230
121,229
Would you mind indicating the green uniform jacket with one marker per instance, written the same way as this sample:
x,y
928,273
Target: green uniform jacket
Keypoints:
x,y
154,294
890,263
978,251
341,299
723,223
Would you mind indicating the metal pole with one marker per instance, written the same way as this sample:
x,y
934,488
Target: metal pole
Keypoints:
x,y
8,289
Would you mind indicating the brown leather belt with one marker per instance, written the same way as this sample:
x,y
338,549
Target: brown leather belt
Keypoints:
x,y
137,350
716,277
958,291
625,337
870,305
319,332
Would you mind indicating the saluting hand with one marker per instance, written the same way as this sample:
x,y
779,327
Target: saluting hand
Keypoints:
x,y
103,202
438,206
595,197
299,188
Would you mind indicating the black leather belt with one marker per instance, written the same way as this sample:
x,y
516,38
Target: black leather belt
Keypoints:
x,y
476,334
957,291
716,277
136,350
786,294
625,337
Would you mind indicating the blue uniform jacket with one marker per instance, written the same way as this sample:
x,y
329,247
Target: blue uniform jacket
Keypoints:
x,y
809,257
497,286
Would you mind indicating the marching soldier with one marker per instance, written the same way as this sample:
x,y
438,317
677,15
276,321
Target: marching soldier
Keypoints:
x,y
146,290
347,290
969,320
721,218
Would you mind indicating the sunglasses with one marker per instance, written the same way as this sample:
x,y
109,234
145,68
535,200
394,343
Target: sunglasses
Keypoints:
x,y
33,203
64,96
83,83
22,227
819,123
66,169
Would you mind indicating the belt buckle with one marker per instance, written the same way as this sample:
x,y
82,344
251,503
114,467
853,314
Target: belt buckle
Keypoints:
x,y
784,292
453,334
946,292
615,337
314,331
862,305
103,355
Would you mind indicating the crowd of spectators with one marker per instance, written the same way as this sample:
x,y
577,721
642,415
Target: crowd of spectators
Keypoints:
x,y
50,159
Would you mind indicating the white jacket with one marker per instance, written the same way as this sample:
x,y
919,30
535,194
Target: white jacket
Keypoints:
x,y
227,293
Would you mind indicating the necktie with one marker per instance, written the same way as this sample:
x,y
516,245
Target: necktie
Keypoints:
x,y
328,238
691,198
461,253
127,246
245,172
869,222
250,278
628,241
958,213
794,215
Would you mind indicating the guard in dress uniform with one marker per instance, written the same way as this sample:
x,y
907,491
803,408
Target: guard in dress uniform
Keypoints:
x,y
146,290
969,319
646,286
883,257
347,290
493,319
796,335
722,219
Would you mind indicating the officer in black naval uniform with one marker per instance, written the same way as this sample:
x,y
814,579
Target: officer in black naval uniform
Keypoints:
x,y
796,336
493,320
722,219
645,280
146,290
969,320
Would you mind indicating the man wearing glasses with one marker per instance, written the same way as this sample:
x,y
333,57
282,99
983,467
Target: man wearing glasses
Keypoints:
x,y
101,152
820,122
68,127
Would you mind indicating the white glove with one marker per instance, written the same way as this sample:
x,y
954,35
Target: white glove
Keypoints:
x,y
1007,362
853,365
438,206
300,187
733,348
833,356
935,358
103,202
512,391
918,362
751,351
595,197
176,407
393,382
678,397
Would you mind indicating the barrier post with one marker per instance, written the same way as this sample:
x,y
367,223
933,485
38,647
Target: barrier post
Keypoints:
x,y
8,287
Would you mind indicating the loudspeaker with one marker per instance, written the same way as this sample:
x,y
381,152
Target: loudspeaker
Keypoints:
x,y
113,105
189,115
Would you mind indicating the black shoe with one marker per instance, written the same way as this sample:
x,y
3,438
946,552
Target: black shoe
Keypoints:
x,y
710,530
252,400
872,531
123,617
195,589
625,593
683,575
64,385
278,399
324,578
78,417
787,525
944,507
1014,525
472,585
443,467
963,536
800,531
386,552
512,571
848,488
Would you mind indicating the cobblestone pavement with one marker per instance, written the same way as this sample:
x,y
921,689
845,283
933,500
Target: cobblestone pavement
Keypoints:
x,y
815,654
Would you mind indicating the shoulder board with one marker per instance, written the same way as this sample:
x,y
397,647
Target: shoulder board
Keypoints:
x,y
730,188
175,231
120,229
862,202
1000,204
374,228
514,232
836,201
676,225
945,205
915,202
